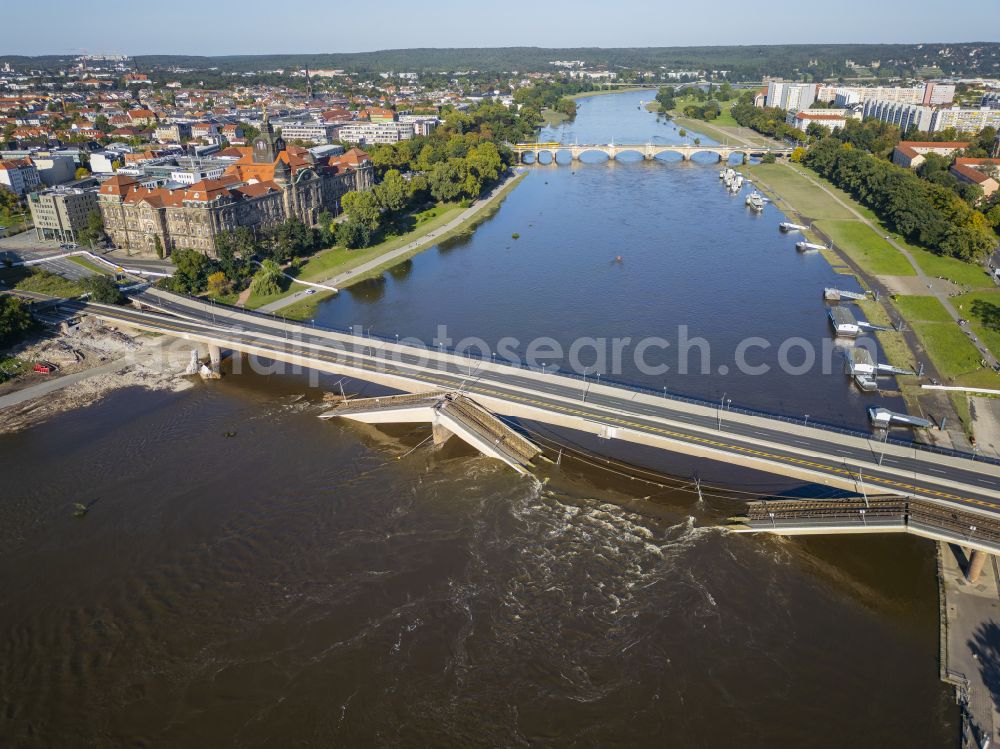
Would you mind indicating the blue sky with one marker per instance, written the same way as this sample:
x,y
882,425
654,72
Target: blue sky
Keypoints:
x,y
275,26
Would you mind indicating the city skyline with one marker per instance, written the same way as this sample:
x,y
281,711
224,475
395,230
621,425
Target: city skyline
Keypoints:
x,y
216,30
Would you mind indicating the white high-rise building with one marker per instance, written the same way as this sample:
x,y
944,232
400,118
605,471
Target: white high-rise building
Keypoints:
x,y
790,96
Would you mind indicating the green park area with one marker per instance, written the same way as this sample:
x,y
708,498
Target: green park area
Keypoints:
x,y
39,281
789,188
800,193
866,247
335,260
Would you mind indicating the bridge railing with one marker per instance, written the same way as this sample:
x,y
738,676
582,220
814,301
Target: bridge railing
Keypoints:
x,y
662,393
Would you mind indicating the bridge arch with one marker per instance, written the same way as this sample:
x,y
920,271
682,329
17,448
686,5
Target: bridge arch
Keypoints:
x,y
630,152
698,155
591,152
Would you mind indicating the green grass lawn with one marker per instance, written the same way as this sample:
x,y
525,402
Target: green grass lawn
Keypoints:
x,y
922,309
866,248
951,350
89,265
982,310
807,199
40,282
553,117
336,260
955,270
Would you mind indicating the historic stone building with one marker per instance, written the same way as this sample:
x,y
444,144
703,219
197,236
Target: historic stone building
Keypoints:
x,y
269,184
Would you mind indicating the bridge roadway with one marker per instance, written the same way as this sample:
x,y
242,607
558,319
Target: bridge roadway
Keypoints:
x,y
852,463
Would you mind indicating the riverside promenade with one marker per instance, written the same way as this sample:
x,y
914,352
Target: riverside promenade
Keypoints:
x,y
970,650
345,278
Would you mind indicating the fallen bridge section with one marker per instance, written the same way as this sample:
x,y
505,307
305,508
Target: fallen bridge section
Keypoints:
x,y
871,514
450,414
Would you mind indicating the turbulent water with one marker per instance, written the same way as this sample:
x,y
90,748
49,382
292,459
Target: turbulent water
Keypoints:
x,y
250,576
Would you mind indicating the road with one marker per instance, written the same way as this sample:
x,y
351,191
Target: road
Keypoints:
x,y
62,266
340,280
783,447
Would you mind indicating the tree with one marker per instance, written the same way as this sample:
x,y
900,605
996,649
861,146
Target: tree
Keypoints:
x,y
353,234
363,207
485,161
15,319
218,284
9,202
447,179
81,173
192,271
289,239
391,192
103,289
94,230
327,229
158,246
267,280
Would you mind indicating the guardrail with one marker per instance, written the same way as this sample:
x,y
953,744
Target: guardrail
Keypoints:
x,y
665,394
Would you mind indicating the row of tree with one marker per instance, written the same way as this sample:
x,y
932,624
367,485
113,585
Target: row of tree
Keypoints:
x,y
926,213
769,121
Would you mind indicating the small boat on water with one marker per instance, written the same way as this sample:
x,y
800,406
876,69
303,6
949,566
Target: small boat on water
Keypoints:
x,y
809,246
755,200
787,226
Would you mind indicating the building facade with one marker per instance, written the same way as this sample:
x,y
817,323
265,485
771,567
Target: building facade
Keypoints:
x,y
316,133
269,184
903,116
20,176
792,96
931,120
965,119
982,172
61,212
912,153
367,133
830,118
928,94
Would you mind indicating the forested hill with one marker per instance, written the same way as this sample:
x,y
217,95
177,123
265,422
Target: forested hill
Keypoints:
x,y
746,63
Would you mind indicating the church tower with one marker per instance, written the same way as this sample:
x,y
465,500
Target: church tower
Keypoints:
x,y
267,145
309,86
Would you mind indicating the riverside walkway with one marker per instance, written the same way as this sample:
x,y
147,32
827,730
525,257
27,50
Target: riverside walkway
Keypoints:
x,y
850,461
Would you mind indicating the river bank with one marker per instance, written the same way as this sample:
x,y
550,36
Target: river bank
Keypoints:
x,y
92,360
914,286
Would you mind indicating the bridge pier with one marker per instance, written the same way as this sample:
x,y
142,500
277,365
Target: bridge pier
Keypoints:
x,y
976,563
440,434
214,357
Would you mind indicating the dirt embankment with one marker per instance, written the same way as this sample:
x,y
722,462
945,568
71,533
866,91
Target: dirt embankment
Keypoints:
x,y
91,360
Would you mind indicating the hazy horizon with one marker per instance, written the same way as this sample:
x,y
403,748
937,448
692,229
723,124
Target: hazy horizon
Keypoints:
x,y
267,28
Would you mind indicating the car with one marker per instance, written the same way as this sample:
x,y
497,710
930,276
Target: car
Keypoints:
x,y
310,291
962,321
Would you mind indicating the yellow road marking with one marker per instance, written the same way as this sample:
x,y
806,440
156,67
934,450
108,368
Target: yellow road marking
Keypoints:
x,y
554,406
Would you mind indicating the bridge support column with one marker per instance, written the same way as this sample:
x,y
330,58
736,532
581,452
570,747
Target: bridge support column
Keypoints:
x,y
746,158
975,568
440,434
214,357
194,365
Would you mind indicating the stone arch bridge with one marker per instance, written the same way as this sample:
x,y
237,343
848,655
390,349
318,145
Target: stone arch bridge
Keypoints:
x,y
648,151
